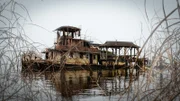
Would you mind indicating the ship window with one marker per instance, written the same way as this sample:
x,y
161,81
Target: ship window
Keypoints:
x,y
71,55
81,55
87,56
46,55
66,33
85,44
94,56
70,80
51,55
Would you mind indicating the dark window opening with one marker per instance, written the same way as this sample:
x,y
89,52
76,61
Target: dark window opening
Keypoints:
x,y
87,56
51,55
94,56
46,55
81,55
71,55
70,80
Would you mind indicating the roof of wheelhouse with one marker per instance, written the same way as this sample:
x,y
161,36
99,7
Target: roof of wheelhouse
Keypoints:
x,y
115,44
68,29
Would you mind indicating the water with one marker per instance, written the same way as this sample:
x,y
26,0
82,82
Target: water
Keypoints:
x,y
80,85
105,85
83,85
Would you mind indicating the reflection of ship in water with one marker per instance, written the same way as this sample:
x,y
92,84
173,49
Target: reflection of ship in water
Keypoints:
x,y
83,83
70,83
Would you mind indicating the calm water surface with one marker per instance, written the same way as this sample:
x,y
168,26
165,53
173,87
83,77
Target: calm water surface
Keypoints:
x,y
81,85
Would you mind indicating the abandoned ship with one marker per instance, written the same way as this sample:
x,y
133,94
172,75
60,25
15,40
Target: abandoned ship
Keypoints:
x,y
73,52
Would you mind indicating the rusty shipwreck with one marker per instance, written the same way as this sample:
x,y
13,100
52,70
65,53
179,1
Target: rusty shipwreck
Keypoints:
x,y
72,52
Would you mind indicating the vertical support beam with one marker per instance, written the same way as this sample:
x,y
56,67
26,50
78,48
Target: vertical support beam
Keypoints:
x,y
119,54
63,33
112,51
68,33
130,53
106,55
58,35
65,41
64,37
79,34
137,52
72,34
116,56
100,52
134,52
124,53
71,42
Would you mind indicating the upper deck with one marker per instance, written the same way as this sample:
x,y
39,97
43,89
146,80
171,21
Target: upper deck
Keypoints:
x,y
68,32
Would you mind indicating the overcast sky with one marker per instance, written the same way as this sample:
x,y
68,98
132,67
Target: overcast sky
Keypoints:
x,y
100,20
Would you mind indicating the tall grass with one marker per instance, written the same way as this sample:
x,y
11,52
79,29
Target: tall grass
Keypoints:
x,y
162,80
163,49
14,43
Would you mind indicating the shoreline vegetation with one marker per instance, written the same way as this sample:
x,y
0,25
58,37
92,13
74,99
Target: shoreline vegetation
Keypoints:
x,y
160,83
